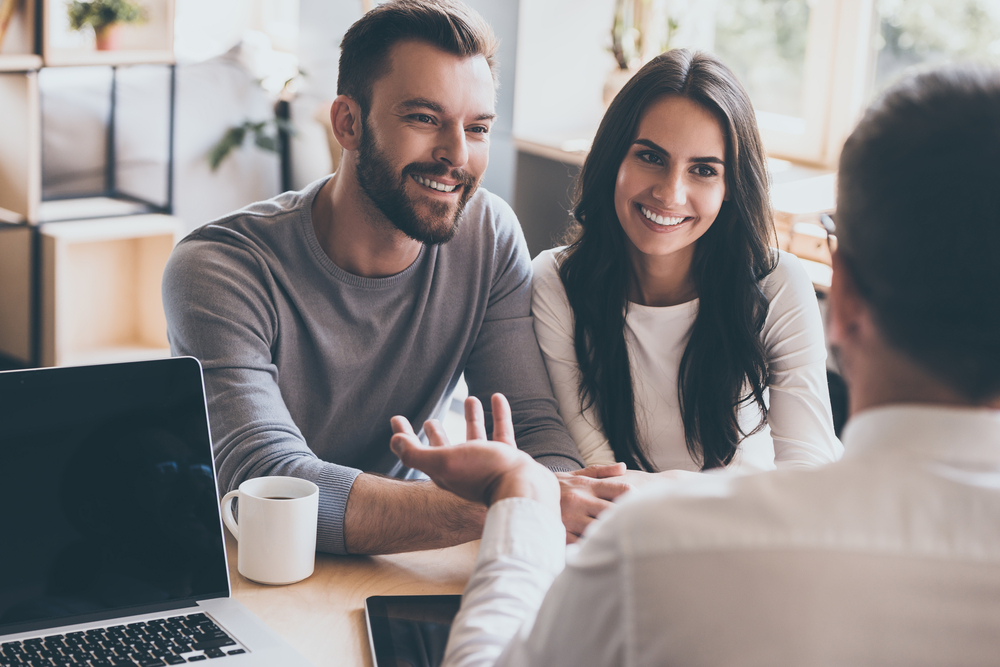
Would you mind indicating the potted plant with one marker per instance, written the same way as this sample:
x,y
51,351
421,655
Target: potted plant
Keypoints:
x,y
105,17
640,30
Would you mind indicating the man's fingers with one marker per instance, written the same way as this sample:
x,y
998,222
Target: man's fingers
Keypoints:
x,y
436,435
475,421
600,471
404,445
401,424
503,424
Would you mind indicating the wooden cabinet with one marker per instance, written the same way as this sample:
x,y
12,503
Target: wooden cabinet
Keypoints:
x,y
20,147
16,271
85,289
100,289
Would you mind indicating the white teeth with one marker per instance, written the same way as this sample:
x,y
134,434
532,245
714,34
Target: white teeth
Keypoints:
x,y
666,221
434,184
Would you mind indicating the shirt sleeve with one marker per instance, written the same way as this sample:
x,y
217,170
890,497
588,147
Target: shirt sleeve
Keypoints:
x,y
519,610
799,413
219,309
553,320
505,357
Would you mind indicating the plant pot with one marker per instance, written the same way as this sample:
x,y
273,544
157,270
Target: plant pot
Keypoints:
x,y
108,36
616,80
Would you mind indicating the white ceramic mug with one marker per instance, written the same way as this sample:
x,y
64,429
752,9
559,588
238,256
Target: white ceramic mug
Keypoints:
x,y
276,529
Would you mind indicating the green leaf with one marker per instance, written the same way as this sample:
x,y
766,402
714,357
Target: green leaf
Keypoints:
x,y
266,142
233,138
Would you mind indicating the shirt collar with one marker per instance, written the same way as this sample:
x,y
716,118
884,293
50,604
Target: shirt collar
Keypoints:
x,y
955,434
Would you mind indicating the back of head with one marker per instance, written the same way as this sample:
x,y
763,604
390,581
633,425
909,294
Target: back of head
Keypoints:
x,y
918,222
450,26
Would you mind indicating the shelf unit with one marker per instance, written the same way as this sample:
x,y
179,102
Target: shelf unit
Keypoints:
x,y
103,276
147,43
18,51
80,275
17,263
20,146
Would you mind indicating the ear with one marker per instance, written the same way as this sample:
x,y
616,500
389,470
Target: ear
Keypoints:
x,y
345,117
849,315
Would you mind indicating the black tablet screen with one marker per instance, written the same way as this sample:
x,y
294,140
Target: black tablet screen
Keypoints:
x,y
410,630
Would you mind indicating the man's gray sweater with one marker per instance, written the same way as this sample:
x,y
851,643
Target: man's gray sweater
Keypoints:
x,y
305,363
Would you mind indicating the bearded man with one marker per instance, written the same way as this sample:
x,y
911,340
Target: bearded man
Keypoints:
x,y
320,314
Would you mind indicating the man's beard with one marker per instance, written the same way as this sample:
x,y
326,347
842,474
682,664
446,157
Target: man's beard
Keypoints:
x,y
388,193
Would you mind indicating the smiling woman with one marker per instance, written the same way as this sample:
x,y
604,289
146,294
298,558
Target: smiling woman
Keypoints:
x,y
668,192
675,337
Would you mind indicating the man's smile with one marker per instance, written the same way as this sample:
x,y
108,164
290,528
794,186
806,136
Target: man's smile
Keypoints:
x,y
434,185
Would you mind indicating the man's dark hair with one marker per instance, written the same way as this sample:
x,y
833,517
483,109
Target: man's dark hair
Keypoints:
x,y
918,222
450,26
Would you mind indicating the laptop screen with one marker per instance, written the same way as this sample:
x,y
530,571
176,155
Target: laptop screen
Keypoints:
x,y
108,493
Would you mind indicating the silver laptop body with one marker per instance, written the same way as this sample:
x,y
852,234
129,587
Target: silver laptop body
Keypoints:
x,y
111,538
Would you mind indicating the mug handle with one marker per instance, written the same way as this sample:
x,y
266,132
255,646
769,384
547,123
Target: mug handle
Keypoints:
x,y
227,513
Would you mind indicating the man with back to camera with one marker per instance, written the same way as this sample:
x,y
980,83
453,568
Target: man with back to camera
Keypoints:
x,y
319,314
889,556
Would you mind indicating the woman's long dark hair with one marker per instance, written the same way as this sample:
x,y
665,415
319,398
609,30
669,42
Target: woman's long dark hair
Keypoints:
x,y
724,365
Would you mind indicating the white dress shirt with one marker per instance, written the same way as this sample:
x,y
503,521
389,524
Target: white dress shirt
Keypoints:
x,y
890,556
799,430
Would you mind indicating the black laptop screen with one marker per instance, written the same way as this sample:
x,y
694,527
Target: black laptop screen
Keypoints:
x,y
108,499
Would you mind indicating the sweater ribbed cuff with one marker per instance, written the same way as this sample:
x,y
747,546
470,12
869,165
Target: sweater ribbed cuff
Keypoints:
x,y
558,463
334,484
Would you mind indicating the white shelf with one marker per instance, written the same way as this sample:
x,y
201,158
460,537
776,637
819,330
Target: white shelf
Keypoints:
x,y
568,150
805,197
88,207
82,58
19,62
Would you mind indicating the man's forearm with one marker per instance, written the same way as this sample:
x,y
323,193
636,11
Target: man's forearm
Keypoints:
x,y
387,515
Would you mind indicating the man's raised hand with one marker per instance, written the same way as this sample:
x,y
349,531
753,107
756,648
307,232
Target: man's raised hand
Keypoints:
x,y
479,470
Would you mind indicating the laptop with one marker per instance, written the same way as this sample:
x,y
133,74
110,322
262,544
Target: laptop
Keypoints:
x,y
111,542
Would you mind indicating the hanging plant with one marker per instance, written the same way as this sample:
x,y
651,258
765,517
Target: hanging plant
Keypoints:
x,y
267,135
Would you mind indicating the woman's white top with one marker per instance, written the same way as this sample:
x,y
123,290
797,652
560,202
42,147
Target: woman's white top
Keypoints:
x,y
799,431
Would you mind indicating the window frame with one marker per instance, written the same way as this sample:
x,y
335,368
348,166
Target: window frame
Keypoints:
x,y
839,65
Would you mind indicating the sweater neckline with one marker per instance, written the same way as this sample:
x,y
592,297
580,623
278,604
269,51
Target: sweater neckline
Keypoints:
x,y
309,235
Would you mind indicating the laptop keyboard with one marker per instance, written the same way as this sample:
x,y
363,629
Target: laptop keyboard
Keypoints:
x,y
163,641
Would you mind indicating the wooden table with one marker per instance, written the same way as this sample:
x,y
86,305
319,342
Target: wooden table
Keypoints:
x,y
323,617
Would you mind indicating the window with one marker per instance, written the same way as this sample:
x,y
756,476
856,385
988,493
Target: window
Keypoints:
x,y
934,32
804,64
811,66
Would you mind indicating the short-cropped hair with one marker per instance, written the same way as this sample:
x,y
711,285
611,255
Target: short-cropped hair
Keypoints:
x,y
450,26
918,222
